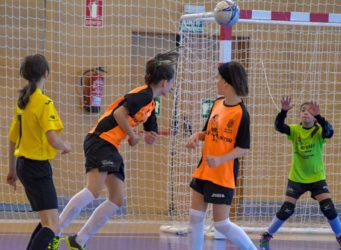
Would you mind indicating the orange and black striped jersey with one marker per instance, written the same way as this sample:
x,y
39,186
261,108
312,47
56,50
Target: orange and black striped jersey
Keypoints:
x,y
227,127
141,108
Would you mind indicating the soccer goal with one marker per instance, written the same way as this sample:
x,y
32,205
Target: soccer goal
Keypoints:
x,y
285,53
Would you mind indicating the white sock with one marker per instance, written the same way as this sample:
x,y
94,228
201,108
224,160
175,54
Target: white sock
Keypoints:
x,y
235,234
73,208
97,220
196,221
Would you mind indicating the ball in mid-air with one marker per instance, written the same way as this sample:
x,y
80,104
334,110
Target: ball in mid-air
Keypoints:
x,y
226,13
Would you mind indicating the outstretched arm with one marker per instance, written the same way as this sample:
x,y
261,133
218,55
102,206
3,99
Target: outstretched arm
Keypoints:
x,y
279,122
327,128
194,139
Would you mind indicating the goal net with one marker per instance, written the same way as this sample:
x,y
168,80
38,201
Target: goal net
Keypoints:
x,y
285,57
298,60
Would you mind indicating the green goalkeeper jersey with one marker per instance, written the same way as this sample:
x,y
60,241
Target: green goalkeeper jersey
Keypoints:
x,y
307,161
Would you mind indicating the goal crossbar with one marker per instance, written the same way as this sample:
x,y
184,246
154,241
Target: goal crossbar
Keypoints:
x,y
276,18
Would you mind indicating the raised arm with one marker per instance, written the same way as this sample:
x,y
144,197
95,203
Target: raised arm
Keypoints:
x,y
279,122
327,128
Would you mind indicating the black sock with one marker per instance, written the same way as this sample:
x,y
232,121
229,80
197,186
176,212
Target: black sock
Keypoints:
x,y
42,239
36,230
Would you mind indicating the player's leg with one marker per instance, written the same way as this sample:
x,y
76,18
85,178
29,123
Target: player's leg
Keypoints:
x,y
221,198
95,184
97,157
111,174
49,225
197,214
287,209
35,231
105,210
320,192
294,191
36,177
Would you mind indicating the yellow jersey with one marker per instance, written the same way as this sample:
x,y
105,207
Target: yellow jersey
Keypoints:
x,y
29,127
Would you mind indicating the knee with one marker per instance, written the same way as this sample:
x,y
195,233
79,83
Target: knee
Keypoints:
x,y
221,225
96,192
196,216
328,209
117,200
286,211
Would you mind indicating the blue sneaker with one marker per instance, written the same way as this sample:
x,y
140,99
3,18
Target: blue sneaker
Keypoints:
x,y
264,242
338,239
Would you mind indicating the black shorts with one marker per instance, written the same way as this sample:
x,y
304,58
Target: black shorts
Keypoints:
x,y
296,189
36,177
102,155
212,193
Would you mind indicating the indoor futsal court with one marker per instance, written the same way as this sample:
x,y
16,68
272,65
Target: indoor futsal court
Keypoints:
x,y
97,51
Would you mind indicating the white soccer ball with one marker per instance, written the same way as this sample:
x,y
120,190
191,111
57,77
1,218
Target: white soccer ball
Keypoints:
x,y
226,13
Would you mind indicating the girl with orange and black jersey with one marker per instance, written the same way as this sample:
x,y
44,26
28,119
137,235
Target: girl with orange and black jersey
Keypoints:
x,y
226,137
103,163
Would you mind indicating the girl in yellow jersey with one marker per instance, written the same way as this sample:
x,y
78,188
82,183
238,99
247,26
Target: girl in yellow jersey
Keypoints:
x,y
226,137
34,140
103,163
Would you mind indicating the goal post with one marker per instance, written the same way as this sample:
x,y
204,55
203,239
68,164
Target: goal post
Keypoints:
x,y
285,53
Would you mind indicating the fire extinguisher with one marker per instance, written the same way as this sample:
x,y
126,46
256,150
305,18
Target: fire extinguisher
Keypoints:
x,y
92,82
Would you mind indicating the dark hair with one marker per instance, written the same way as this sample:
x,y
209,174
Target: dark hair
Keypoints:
x,y
303,104
160,67
33,68
235,75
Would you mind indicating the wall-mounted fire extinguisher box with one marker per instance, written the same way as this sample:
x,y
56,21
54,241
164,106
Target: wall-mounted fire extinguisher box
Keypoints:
x,y
92,82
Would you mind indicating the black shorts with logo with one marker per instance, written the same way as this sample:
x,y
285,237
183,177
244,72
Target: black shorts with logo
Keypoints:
x,y
102,155
36,177
212,193
296,189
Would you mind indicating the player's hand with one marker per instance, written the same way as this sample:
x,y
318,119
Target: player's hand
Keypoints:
x,y
133,140
150,137
214,161
12,179
193,141
67,148
314,109
286,103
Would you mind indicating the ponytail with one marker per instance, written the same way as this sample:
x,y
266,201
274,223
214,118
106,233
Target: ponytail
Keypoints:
x,y
33,68
25,93
161,67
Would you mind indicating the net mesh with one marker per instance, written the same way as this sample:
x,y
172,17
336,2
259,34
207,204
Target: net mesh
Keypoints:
x,y
300,61
281,60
